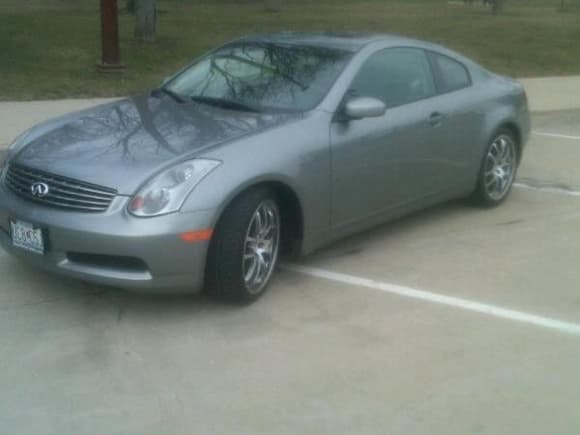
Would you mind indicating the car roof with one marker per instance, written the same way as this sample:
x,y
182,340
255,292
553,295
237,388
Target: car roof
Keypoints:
x,y
354,41
339,40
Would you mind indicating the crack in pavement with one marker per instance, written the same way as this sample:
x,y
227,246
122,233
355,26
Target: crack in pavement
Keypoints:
x,y
33,303
547,186
43,301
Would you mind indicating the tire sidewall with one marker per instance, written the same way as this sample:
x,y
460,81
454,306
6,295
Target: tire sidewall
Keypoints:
x,y
224,269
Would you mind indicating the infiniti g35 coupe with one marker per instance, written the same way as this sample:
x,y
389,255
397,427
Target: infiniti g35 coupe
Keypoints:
x,y
268,144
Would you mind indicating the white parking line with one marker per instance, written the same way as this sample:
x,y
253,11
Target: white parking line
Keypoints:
x,y
558,135
483,308
548,189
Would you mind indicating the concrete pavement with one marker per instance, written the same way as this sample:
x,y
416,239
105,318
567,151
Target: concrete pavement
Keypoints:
x,y
544,94
17,116
318,356
312,357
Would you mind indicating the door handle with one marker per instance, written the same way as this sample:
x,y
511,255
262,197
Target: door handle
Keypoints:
x,y
435,119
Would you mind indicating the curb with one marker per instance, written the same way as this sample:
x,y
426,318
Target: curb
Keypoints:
x,y
552,94
545,94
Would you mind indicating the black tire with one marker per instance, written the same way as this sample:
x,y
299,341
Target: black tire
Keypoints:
x,y
224,279
481,195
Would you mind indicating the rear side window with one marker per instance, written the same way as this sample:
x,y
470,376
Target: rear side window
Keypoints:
x,y
453,75
395,76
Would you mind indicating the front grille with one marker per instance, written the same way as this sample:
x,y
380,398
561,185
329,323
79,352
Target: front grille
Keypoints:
x,y
63,192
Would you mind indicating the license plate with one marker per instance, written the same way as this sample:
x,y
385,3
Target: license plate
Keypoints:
x,y
27,236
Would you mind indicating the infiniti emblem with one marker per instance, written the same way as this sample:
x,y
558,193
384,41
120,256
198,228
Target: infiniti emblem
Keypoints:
x,y
39,189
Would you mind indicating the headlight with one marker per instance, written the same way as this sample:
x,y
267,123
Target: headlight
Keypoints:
x,y
166,192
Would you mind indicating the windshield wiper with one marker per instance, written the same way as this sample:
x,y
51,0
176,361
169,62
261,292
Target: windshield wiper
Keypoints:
x,y
224,103
172,94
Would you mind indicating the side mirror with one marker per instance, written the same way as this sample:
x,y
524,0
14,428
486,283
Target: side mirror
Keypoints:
x,y
364,107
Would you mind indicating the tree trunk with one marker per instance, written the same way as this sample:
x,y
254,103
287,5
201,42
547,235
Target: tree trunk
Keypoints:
x,y
145,20
273,5
497,6
130,7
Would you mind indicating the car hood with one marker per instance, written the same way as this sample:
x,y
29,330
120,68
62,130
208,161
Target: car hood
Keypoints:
x,y
121,144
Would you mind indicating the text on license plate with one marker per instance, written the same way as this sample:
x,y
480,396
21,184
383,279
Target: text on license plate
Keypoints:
x,y
26,236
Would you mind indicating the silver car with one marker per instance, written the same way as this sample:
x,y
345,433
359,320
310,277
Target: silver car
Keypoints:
x,y
270,144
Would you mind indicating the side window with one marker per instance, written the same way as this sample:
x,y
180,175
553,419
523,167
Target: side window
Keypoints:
x,y
395,76
453,74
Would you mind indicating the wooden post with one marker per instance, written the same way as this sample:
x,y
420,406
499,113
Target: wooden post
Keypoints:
x,y
110,53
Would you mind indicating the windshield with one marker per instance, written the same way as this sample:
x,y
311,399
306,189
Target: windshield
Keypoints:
x,y
262,77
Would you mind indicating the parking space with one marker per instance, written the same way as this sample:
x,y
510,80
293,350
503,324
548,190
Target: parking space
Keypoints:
x,y
517,256
321,353
553,152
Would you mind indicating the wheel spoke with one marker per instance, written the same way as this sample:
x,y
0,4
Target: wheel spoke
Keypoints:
x,y
499,167
493,151
268,245
266,228
491,161
491,183
251,271
503,148
265,266
258,221
261,246
250,245
504,183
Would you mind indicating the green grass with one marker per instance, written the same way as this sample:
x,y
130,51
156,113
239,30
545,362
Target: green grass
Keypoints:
x,y
49,48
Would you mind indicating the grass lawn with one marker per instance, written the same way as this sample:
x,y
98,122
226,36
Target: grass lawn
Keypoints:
x,y
49,48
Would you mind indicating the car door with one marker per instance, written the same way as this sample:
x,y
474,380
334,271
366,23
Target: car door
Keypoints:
x,y
459,100
381,164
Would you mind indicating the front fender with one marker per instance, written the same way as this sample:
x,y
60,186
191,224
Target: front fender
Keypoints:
x,y
296,155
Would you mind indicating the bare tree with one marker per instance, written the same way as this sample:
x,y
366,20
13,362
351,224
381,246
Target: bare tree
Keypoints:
x,y
146,20
497,6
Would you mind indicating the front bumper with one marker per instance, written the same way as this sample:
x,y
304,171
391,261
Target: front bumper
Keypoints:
x,y
113,248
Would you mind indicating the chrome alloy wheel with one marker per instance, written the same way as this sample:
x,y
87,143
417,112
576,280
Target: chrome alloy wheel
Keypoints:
x,y
500,167
261,246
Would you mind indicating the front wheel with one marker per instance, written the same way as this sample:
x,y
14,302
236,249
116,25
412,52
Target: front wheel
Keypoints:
x,y
497,171
244,251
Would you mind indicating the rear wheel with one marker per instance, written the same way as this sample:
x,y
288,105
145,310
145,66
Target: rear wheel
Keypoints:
x,y
244,251
498,170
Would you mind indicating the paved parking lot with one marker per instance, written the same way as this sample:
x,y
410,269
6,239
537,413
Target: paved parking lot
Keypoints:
x,y
456,320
